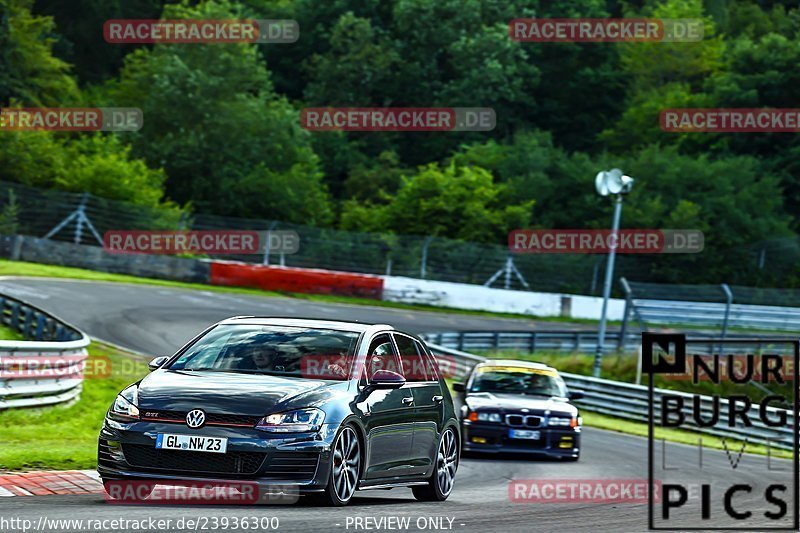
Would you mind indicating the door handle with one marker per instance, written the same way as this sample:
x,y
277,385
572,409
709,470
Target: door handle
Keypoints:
x,y
438,398
408,401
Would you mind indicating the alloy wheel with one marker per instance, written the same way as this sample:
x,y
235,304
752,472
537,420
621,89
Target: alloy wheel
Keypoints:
x,y
346,463
446,462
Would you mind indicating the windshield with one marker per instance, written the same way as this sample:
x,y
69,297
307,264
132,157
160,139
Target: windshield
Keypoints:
x,y
519,381
278,350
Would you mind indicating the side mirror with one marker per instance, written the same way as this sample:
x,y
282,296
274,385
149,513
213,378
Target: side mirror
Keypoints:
x,y
576,395
386,379
156,363
459,387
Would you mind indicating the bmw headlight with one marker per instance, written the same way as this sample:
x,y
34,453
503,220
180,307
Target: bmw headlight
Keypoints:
x,y
563,422
484,416
124,407
301,420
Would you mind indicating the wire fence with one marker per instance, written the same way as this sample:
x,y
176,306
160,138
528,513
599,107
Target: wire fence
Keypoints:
x,y
84,218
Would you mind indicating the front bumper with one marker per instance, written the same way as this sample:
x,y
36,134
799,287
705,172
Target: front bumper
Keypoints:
x,y
495,438
299,460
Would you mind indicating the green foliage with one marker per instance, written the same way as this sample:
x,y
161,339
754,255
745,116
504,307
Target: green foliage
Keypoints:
x,y
213,121
9,215
457,202
222,130
99,164
28,71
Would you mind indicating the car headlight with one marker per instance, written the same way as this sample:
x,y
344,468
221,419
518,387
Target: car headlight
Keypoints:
x,y
482,416
124,407
301,420
563,422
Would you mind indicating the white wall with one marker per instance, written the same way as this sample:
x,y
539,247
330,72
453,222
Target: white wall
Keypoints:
x,y
478,297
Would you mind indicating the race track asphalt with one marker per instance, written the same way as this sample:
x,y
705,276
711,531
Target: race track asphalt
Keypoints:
x,y
155,320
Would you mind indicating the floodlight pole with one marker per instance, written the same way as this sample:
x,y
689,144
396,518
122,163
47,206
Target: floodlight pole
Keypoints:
x,y
612,253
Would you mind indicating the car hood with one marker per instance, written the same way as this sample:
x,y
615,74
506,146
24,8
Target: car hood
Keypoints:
x,y
232,393
517,402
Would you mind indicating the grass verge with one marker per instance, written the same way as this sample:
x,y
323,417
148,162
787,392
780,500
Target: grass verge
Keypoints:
x,y
8,334
640,429
65,437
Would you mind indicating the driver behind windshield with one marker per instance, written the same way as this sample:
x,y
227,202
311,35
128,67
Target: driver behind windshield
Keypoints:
x,y
263,357
523,382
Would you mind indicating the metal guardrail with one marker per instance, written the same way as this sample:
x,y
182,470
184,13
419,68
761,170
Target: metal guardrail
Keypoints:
x,y
529,341
630,402
572,341
46,368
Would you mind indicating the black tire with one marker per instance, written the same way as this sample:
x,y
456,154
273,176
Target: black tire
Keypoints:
x,y
345,470
440,484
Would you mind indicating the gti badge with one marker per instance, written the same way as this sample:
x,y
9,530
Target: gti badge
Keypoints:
x,y
195,418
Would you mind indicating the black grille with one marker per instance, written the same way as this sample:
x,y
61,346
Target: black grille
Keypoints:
x,y
293,465
143,456
211,418
523,421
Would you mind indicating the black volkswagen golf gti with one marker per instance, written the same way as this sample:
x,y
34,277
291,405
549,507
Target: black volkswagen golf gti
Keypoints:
x,y
324,407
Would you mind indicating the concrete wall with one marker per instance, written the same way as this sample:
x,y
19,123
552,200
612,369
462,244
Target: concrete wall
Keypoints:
x,y
95,258
478,297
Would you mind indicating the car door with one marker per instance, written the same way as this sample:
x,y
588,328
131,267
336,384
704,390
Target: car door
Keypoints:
x,y
421,377
388,415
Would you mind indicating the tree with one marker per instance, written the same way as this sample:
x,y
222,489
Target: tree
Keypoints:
x,y
459,202
212,119
29,73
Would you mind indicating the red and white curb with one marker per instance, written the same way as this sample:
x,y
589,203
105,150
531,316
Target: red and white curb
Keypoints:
x,y
49,482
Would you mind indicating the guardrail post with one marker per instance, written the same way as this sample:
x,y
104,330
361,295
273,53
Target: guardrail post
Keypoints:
x,y
532,346
14,316
628,303
728,301
40,322
460,341
26,324
496,340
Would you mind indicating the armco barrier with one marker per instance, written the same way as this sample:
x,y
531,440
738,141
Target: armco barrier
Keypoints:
x,y
303,280
629,401
44,370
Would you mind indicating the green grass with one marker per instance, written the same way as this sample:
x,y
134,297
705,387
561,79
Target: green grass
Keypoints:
x,y
640,429
8,334
65,437
22,268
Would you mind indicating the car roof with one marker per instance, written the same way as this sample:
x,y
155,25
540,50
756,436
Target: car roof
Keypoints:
x,y
517,363
338,325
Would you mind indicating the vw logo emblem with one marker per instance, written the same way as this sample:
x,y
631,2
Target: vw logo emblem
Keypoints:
x,y
195,418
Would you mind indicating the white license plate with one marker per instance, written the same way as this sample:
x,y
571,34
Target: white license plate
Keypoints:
x,y
523,434
191,443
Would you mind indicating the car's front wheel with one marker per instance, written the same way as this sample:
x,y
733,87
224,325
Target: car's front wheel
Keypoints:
x,y
440,484
345,468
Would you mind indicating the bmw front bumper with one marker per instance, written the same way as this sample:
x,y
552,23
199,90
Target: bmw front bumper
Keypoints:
x,y
496,438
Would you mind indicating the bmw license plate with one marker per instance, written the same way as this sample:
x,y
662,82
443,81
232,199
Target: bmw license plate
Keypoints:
x,y
523,434
191,443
